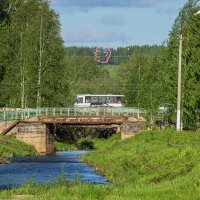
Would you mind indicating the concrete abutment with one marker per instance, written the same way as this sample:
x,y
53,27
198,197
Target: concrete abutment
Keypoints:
x,y
37,135
130,129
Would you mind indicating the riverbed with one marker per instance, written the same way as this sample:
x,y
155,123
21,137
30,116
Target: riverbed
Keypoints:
x,y
44,168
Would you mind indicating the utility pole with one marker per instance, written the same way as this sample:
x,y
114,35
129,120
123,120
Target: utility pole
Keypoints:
x,y
178,118
178,123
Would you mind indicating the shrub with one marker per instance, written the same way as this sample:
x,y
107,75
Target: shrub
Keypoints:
x,y
85,144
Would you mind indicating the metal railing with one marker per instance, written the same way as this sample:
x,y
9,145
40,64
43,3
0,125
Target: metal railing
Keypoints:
x,y
100,111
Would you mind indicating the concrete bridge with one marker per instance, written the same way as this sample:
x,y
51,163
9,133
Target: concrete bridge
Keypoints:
x,y
34,126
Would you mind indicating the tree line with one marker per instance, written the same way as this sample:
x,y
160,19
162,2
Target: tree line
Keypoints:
x,y
32,52
36,70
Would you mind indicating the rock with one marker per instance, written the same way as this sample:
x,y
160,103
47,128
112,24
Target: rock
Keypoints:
x,y
129,130
131,127
4,161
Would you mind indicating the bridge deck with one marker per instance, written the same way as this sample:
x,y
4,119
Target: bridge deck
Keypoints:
x,y
82,120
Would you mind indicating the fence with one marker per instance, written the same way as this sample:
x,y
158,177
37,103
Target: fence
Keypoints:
x,y
100,111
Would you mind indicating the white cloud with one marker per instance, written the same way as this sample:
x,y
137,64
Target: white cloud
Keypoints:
x,y
87,35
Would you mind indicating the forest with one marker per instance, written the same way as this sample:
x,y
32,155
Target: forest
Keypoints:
x,y
37,70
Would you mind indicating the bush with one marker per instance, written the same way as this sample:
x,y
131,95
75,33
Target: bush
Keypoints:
x,y
85,144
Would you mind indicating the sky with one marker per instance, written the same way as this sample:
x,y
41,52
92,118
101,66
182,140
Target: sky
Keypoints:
x,y
116,23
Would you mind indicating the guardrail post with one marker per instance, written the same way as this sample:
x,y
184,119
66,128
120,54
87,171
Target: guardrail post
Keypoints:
x,y
138,113
68,112
83,111
12,117
16,115
4,116
28,113
96,111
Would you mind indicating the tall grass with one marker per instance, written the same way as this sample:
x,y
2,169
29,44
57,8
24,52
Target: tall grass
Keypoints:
x,y
151,165
61,146
10,146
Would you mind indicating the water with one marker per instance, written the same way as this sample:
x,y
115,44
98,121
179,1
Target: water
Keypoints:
x,y
43,168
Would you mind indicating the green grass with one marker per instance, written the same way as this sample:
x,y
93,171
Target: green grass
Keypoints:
x,y
10,146
60,146
96,143
151,165
112,69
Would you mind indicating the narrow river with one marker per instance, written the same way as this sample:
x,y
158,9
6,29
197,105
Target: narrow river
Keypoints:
x,y
43,168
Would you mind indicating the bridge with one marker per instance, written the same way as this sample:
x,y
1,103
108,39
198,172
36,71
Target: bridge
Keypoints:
x,y
34,126
22,114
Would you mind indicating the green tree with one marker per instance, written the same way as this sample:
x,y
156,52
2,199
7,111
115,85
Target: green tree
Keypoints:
x,y
37,53
189,25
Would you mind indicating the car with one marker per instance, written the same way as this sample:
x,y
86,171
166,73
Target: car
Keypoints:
x,y
99,104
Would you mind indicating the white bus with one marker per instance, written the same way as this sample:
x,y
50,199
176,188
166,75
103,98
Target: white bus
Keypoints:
x,y
90,100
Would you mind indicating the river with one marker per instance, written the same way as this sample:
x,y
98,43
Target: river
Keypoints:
x,y
44,168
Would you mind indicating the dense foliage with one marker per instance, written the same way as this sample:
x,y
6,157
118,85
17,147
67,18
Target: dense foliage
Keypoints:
x,y
152,80
31,59
86,76
189,25
85,144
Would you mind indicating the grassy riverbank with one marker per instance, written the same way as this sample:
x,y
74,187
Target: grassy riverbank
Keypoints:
x,y
86,144
152,165
10,146
60,146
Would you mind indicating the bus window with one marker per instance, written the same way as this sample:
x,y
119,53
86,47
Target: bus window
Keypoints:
x,y
119,100
87,99
109,100
80,100
95,99
114,99
102,99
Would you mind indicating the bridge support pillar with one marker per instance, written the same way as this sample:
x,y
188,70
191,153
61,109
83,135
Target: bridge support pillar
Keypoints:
x,y
37,135
130,129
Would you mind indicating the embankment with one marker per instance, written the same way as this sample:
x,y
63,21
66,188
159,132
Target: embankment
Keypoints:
x,y
150,166
10,146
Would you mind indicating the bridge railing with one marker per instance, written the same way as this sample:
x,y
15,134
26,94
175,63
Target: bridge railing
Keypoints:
x,y
101,111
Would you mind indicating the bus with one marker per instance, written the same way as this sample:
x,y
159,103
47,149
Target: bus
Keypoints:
x,y
89,100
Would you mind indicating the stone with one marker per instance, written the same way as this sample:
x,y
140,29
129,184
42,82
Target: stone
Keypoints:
x,y
130,129
4,161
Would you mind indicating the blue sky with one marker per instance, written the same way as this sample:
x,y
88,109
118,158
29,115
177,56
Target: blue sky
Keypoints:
x,y
116,22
